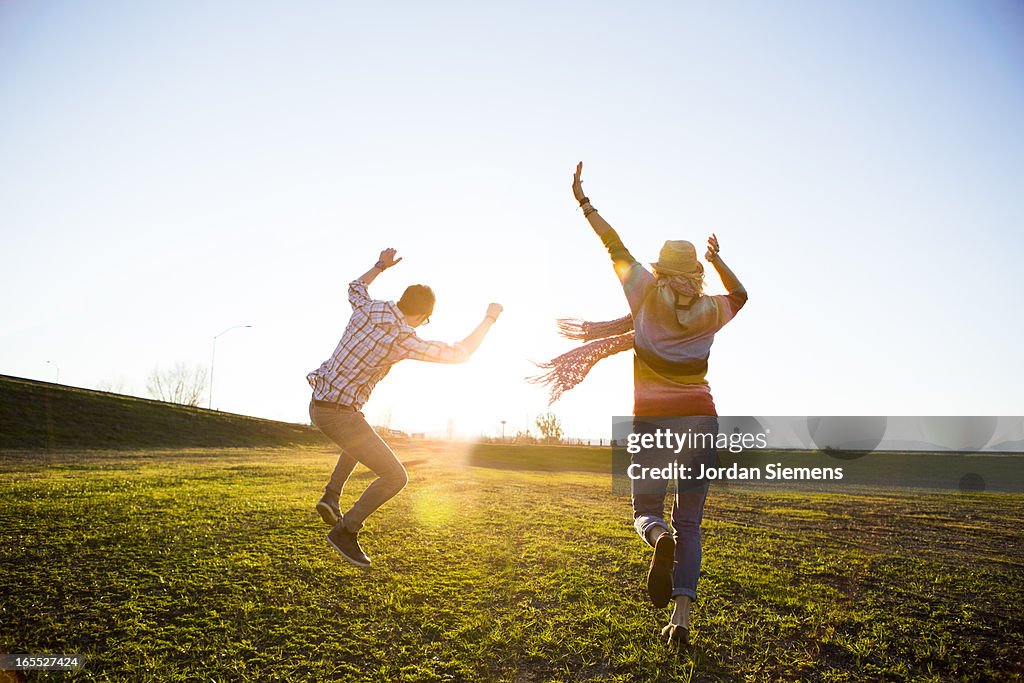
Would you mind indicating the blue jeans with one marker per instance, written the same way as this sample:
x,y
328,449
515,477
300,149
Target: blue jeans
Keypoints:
x,y
687,507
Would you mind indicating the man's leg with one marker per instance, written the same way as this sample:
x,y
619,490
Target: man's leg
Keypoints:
x,y
342,471
328,507
360,443
329,504
368,448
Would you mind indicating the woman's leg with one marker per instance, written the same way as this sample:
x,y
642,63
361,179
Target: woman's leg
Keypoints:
x,y
649,514
648,494
677,631
687,514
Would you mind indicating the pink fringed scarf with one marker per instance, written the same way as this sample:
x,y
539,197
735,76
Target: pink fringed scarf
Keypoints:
x,y
605,339
566,371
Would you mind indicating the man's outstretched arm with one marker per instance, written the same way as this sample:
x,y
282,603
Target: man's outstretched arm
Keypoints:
x,y
439,352
471,343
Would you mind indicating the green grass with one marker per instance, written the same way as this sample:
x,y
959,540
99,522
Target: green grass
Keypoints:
x,y
211,565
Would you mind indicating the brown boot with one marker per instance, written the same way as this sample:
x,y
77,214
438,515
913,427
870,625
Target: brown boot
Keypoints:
x,y
659,576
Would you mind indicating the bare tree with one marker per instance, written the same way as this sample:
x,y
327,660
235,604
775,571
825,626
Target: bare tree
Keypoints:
x,y
524,436
184,384
385,418
550,427
112,385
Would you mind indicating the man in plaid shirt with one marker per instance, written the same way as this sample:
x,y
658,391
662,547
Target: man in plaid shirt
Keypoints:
x,y
378,335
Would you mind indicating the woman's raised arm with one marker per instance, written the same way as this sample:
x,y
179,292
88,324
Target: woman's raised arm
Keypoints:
x,y
634,278
599,224
729,280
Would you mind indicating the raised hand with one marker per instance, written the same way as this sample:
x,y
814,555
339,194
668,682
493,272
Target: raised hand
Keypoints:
x,y
577,183
712,248
493,311
387,257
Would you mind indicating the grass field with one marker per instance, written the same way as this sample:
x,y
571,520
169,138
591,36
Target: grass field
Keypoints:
x,y
211,565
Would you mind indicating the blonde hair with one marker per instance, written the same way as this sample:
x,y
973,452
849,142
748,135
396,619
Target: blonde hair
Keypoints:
x,y
690,284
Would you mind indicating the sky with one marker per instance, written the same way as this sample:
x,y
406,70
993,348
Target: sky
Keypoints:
x,y
169,171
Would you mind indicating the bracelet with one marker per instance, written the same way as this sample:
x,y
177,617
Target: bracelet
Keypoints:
x,y
380,266
585,200
491,318
588,209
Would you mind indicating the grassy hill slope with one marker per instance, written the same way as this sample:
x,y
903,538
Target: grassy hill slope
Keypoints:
x,y
43,415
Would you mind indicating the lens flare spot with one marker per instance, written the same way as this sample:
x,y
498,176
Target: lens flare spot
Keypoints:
x,y
433,507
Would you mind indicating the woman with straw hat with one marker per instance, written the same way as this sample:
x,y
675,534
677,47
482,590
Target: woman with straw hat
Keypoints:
x,y
670,328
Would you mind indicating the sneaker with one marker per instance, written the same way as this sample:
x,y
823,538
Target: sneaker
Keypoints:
x,y
347,544
329,511
659,576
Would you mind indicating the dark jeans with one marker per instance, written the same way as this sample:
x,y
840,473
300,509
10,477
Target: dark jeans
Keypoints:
x,y
359,444
688,506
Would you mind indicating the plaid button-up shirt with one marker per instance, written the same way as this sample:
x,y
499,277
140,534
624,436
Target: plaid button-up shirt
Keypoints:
x,y
376,338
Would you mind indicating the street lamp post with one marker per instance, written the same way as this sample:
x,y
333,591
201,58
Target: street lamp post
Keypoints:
x,y
213,357
50,362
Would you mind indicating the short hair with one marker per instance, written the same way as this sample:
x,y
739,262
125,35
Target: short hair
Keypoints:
x,y
417,300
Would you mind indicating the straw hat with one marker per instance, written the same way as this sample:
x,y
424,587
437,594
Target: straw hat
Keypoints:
x,y
677,257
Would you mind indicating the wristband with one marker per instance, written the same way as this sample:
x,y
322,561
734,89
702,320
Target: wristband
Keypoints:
x,y
380,266
491,318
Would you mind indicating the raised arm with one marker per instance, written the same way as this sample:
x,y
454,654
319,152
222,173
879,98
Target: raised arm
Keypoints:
x,y
621,257
386,260
729,280
358,295
599,224
634,277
